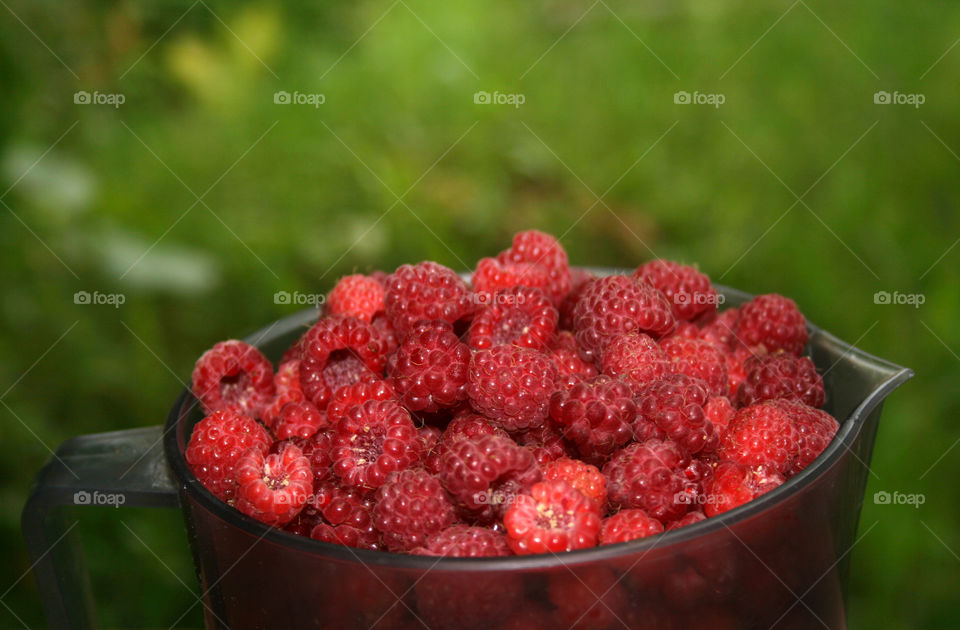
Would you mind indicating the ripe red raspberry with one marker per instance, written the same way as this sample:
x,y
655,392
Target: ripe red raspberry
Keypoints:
x,y
484,474
347,518
374,440
781,376
596,415
511,386
339,351
699,359
719,332
689,292
628,525
675,404
734,484
553,517
492,275
462,427
579,279
544,250
685,330
521,316
273,488
426,291
762,435
287,385
299,419
817,429
589,597
215,446
410,507
615,305
429,369
566,357
546,442
317,449
720,412
775,322
346,398
650,476
636,359
356,295
233,374
688,519
465,541
736,360
586,479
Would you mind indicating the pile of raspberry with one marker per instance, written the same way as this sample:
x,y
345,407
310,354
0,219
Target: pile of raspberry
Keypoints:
x,y
537,408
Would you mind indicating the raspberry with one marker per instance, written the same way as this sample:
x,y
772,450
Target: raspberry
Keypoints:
x,y
217,443
817,429
689,292
482,474
596,415
464,541
546,442
688,519
579,279
699,359
346,398
429,368
615,305
273,488
636,359
544,250
460,428
590,597
650,476
233,374
372,441
511,386
762,435
565,356
719,332
521,316
492,275
675,404
734,484
628,525
737,367
426,291
356,295
773,321
339,351
586,479
553,517
316,449
299,419
287,385
348,520
780,376
411,506
719,412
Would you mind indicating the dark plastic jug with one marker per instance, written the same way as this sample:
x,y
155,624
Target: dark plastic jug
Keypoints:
x,y
778,562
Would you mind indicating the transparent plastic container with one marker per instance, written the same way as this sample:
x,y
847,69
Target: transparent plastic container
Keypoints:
x,y
780,561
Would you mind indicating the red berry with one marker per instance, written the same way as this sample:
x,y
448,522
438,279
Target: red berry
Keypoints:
x,y
426,291
553,517
773,321
347,518
546,442
699,359
316,449
492,275
566,357
273,488
780,376
216,445
736,361
615,305
586,479
521,316
719,332
676,405
579,279
511,386
817,429
429,368
734,484
411,506
687,519
462,427
233,374
650,476
762,435
636,359
374,440
628,525
299,419
689,292
596,415
544,250
356,295
346,398
720,412
287,385
464,541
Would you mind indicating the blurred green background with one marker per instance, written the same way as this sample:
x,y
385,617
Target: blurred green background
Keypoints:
x,y
199,197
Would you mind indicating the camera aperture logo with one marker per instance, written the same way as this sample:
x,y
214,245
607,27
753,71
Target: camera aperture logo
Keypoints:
x,y
682,298
299,299
99,299
98,98
115,499
698,98
299,98
898,98
899,299
899,498
498,98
